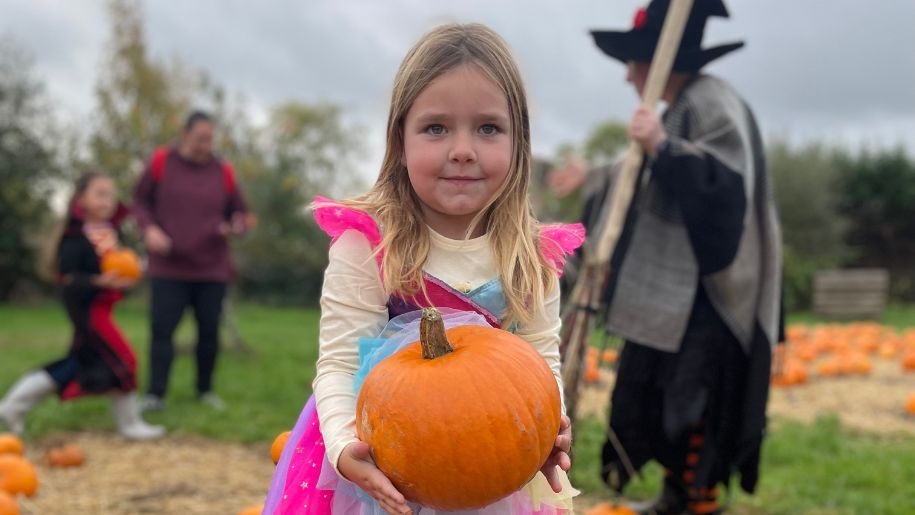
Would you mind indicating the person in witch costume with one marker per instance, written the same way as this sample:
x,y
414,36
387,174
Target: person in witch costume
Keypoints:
x,y
100,359
695,281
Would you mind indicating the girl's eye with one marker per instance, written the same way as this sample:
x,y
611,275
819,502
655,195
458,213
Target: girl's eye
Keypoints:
x,y
435,129
489,129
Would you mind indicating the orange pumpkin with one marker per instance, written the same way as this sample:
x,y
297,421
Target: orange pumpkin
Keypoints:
x,y
277,448
10,444
611,509
69,455
123,262
908,361
828,368
910,404
609,356
256,509
8,504
592,372
17,475
461,418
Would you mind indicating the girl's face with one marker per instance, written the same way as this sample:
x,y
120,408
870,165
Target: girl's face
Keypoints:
x,y
99,200
457,148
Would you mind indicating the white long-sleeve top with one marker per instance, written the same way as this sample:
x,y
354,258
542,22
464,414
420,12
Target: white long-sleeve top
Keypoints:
x,y
354,304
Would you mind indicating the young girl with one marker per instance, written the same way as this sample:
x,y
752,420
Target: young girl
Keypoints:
x,y
448,224
100,360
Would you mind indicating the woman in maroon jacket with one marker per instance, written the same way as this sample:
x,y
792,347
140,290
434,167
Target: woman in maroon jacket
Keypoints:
x,y
187,204
100,359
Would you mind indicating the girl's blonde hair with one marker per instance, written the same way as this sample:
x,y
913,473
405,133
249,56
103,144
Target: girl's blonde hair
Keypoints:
x,y
50,259
526,276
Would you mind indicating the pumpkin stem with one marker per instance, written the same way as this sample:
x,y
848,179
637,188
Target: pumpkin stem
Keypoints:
x,y
432,335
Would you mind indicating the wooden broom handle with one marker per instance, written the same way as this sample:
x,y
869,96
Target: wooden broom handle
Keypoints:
x,y
661,64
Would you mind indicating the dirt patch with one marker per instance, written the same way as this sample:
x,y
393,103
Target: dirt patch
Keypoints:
x,y
175,475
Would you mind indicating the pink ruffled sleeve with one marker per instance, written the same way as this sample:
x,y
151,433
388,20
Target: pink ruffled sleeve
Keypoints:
x,y
334,218
559,240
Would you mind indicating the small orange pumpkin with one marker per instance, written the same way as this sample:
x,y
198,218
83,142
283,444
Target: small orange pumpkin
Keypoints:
x,y
609,356
123,262
17,475
255,509
10,444
908,361
276,449
461,418
828,368
8,504
607,508
69,455
910,404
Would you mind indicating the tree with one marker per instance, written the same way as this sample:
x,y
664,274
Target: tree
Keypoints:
x,y
806,185
605,143
28,168
303,151
141,102
878,198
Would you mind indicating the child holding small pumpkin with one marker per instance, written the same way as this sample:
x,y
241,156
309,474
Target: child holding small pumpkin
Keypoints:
x,y
447,224
93,272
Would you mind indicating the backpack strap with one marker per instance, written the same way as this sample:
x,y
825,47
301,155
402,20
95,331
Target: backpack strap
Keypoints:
x,y
157,163
160,156
228,176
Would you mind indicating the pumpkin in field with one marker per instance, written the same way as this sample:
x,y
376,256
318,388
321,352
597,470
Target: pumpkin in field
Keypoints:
x,y
17,475
252,510
461,418
123,262
910,404
592,371
69,455
8,504
10,444
276,449
609,356
828,368
908,361
610,509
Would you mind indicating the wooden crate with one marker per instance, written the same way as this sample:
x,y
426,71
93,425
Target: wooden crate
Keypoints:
x,y
851,293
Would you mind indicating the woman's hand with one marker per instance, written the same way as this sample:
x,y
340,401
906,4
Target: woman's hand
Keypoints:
x,y
157,241
647,130
356,465
560,455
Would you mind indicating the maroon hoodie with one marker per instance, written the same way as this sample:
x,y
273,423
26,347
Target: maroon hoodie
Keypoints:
x,y
188,201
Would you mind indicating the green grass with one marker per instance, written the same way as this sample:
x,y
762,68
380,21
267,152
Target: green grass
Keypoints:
x,y
265,388
896,315
819,468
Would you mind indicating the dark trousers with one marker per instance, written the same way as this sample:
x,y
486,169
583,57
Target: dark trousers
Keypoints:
x,y
169,300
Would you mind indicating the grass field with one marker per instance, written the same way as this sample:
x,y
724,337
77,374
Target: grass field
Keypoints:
x,y
818,468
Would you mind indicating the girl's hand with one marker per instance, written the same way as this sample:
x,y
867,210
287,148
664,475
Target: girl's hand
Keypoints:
x,y
647,130
112,281
560,455
356,465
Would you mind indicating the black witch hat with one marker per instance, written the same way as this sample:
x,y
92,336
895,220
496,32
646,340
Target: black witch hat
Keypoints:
x,y
638,43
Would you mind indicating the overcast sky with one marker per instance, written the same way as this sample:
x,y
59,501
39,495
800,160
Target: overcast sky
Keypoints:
x,y
839,71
